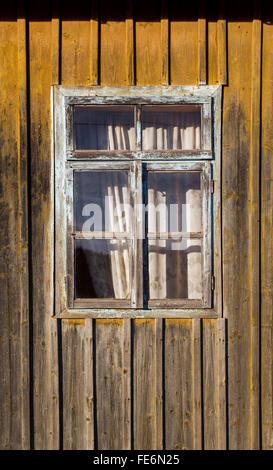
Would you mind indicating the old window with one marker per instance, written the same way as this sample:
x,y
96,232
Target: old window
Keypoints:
x,y
135,218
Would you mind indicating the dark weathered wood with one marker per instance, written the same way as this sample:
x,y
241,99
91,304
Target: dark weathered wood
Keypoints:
x,y
254,231
45,363
236,210
214,384
113,384
266,241
144,380
14,319
182,384
78,398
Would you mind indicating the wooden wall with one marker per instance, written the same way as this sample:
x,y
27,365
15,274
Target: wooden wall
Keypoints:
x,y
143,384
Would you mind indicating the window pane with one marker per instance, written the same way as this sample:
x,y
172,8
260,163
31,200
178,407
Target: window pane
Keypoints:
x,y
174,200
102,269
175,269
171,127
102,201
104,128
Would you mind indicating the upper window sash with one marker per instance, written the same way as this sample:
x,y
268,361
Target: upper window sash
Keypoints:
x,y
205,151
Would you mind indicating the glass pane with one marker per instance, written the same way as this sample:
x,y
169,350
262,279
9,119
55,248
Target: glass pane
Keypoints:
x,y
102,201
102,269
175,269
175,202
171,127
104,128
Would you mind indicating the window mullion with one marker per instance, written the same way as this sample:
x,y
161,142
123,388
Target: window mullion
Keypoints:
x,y
138,128
137,274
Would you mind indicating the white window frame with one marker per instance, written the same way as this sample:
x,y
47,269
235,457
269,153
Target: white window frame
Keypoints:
x,y
207,159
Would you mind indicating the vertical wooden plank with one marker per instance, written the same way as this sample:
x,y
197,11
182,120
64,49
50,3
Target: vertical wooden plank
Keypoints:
x,y
159,383
129,44
55,41
214,388
183,384
164,43
23,222
78,411
212,48
183,43
76,48
145,413
94,44
127,384
196,386
266,234
14,320
113,57
148,40
202,44
254,229
113,384
222,44
235,216
45,354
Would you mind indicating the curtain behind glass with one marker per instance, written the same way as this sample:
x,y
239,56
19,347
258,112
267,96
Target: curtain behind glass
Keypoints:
x,y
175,266
104,264
170,128
104,128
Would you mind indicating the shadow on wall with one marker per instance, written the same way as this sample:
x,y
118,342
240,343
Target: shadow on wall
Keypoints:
x,y
142,10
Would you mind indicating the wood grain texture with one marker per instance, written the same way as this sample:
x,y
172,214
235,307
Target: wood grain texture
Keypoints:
x,y
254,231
214,384
222,43
75,41
78,398
183,384
266,237
130,44
112,43
148,38
235,211
14,341
45,372
94,44
113,384
212,51
23,224
145,385
165,39
55,43
183,44
202,43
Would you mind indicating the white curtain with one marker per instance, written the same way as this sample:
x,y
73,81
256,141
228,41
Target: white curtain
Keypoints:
x,y
175,265
173,131
119,204
101,129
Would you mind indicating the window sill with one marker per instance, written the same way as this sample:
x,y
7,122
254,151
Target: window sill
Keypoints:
x,y
137,313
